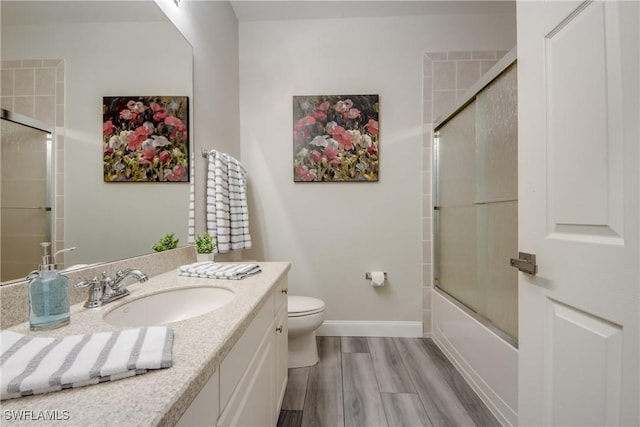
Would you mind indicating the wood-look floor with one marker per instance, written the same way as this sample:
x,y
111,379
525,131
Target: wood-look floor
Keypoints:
x,y
366,382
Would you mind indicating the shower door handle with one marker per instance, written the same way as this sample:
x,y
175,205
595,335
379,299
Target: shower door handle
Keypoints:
x,y
525,263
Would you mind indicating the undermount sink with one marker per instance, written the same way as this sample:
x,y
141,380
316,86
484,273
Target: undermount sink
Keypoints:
x,y
169,306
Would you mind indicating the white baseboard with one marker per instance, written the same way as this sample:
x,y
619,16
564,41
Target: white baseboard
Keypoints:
x,y
365,328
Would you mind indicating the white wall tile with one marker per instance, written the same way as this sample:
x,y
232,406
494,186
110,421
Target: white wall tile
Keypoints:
x,y
45,81
444,75
468,72
6,82
459,55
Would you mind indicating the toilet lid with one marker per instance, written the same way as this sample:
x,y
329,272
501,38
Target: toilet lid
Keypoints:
x,y
302,306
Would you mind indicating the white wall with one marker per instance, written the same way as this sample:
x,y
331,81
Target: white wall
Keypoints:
x,y
108,221
212,29
334,232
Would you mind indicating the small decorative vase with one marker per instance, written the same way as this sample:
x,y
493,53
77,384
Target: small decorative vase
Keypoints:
x,y
204,257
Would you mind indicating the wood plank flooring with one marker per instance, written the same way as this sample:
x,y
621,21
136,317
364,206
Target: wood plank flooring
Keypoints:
x,y
368,382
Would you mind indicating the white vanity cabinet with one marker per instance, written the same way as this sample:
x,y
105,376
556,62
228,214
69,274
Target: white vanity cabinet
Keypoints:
x,y
248,387
253,376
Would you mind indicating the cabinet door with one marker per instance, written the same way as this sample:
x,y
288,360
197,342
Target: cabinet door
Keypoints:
x,y
205,408
253,403
242,355
282,353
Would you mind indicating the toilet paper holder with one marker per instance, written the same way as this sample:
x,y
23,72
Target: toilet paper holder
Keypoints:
x,y
367,275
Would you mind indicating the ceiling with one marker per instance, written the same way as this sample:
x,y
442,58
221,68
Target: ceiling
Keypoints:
x,y
267,10
26,12
29,12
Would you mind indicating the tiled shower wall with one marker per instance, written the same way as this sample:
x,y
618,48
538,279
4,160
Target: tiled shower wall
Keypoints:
x,y
36,88
447,76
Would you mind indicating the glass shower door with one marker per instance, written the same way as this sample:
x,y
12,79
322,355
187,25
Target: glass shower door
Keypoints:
x,y
476,207
497,201
456,228
25,195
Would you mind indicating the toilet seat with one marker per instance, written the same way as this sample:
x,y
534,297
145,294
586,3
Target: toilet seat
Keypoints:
x,y
304,306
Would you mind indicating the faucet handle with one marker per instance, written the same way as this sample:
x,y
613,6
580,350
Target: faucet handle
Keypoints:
x,y
86,283
95,291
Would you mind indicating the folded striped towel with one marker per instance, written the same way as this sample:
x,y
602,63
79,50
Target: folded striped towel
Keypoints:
x,y
36,365
213,270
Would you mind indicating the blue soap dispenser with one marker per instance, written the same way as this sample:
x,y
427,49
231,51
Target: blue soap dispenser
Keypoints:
x,y
48,294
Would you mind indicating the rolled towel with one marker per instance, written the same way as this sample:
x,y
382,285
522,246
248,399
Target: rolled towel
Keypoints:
x,y
213,270
35,365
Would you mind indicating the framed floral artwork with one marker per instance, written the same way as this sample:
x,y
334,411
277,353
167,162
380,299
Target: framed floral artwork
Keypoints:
x,y
336,138
145,138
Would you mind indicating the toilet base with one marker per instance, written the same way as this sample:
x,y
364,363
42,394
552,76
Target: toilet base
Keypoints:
x,y
303,351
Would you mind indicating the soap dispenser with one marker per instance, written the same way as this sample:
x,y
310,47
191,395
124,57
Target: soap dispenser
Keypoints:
x,y
48,294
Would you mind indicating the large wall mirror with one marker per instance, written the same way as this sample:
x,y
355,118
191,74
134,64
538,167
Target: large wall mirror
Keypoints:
x,y
59,59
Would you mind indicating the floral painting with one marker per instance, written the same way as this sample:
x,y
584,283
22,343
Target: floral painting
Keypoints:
x,y
335,138
145,138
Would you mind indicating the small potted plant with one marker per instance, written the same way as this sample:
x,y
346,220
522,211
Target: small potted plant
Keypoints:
x,y
168,241
204,247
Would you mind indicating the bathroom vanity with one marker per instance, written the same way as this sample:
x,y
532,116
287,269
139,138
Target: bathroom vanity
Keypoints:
x,y
229,365
251,380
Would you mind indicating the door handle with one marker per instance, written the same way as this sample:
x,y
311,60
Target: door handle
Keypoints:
x,y
525,263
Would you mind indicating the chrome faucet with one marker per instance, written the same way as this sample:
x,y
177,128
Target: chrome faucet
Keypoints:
x,y
106,289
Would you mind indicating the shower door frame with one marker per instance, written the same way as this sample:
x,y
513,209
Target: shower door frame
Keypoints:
x,y
48,130
469,97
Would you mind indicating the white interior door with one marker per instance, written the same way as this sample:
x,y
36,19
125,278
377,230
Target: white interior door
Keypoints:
x,y
578,79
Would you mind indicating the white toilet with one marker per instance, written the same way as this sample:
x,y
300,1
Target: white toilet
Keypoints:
x,y
306,314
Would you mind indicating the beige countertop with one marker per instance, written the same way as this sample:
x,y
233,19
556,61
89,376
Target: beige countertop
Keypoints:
x,y
158,397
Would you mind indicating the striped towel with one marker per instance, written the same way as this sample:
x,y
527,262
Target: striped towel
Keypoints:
x,y
191,236
213,270
36,365
227,211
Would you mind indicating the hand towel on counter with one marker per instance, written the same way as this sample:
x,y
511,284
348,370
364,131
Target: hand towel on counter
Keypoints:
x,y
36,365
227,210
213,270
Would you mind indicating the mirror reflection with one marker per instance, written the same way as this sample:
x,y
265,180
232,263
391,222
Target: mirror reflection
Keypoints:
x,y
59,59
25,191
